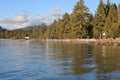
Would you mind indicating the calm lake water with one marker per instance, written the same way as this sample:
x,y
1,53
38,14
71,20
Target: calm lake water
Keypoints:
x,y
32,60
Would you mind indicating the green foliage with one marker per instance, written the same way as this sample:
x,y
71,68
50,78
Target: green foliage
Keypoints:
x,y
63,27
119,14
78,20
89,26
99,19
42,30
34,32
51,31
115,30
112,18
107,7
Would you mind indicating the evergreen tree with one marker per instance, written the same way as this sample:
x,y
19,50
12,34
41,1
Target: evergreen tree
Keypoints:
x,y
99,19
108,2
34,32
114,30
111,20
89,26
51,31
63,27
119,14
78,19
107,7
42,30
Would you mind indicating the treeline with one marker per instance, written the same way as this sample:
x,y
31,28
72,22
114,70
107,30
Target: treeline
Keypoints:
x,y
79,24
21,33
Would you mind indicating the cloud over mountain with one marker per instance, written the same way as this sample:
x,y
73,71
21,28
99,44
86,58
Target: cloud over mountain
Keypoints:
x,y
15,19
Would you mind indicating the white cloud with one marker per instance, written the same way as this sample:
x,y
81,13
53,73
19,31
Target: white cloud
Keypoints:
x,y
40,17
55,12
24,19
16,19
19,21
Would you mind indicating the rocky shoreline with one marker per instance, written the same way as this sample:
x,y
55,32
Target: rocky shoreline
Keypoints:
x,y
115,42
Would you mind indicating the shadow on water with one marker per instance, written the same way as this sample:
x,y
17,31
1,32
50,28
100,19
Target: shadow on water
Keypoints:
x,y
31,60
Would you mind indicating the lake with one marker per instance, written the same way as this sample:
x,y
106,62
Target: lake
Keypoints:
x,y
35,60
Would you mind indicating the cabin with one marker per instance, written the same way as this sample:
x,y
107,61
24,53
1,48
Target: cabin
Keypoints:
x,y
103,35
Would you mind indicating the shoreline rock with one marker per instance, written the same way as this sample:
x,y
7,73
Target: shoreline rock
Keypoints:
x,y
115,42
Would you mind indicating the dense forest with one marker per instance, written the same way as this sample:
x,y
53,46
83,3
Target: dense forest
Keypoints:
x,y
78,24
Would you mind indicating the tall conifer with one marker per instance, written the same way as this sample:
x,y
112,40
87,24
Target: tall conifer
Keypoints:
x,y
78,19
119,14
99,19
112,19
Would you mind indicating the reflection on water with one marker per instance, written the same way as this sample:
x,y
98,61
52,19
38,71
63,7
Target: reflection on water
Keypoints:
x,y
31,60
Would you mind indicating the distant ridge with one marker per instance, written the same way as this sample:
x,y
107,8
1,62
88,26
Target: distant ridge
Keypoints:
x,y
2,29
29,28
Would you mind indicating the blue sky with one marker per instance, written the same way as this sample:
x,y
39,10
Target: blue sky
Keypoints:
x,y
21,13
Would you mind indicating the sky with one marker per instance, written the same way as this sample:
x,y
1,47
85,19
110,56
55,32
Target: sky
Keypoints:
x,y
21,13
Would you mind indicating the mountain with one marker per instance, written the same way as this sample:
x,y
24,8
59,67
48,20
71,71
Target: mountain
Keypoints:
x,y
2,29
29,28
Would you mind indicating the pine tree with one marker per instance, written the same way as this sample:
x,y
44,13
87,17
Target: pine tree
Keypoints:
x,y
107,7
34,32
119,14
63,27
78,19
51,31
99,19
112,18
89,26
114,30
108,2
42,30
